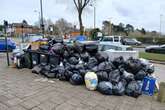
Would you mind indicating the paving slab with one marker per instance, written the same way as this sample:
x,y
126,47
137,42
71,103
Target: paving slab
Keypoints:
x,y
23,90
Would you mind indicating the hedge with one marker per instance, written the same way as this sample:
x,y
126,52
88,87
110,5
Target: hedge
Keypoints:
x,y
152,40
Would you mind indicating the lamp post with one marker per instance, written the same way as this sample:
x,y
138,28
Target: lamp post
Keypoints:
x,y
161,15
7,52
42,22
38,17
94,14
22,31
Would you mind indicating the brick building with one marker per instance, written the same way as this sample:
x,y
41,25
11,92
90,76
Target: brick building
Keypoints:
x,y
17,29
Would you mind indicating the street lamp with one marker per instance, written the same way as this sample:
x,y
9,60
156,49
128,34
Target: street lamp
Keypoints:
x,y
42,22
38,17
94,14
161,15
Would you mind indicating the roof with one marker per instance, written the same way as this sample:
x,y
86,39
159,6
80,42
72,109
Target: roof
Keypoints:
x,y
20,25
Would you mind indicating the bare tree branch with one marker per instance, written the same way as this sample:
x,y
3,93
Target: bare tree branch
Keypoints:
x,y
76,4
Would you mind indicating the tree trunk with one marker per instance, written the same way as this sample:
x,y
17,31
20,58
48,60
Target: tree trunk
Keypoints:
x,y
81,25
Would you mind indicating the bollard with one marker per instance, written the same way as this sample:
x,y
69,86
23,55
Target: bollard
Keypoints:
x,y
161,94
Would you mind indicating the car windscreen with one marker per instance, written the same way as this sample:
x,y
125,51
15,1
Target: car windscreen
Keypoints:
x,y
110,47
108,39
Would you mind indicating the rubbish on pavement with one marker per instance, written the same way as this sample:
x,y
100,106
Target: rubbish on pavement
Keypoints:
x,y
91,80
81,63
105,88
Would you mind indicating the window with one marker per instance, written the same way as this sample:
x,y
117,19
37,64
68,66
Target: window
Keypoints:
x,y
116,39
108,39
109,47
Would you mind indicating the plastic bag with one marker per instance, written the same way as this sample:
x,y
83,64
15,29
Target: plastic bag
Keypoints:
x,y
133,89
73,61
57,40
118,61
45,69
58,49
105,66
76,79
114,76
84,56
119,89
150,68
92,63
133,65
91,80
60,73
50,75
68,75
147,66
102,76
105,88
140,75
79,47
101,57
36,69
66,54
44,48
127,76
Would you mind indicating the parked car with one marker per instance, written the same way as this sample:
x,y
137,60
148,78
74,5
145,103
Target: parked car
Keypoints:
x,y
112,39
156,49
130,41
112,46
11,45
1,34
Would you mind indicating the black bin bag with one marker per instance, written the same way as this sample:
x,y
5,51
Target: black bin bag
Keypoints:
x,y
92,63
76,79
101,57
140,75
37,69
73,60
118,61
133,89
105,88
119,89
102,76
114,76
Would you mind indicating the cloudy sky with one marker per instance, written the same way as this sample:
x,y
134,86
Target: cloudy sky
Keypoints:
x,y
141,13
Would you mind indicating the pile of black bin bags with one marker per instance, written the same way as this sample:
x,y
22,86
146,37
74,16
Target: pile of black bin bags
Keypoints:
x,y
117,77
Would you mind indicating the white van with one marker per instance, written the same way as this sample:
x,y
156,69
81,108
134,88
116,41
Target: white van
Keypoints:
x,y
112,39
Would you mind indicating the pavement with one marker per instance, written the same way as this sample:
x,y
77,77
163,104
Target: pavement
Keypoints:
x,y
23,90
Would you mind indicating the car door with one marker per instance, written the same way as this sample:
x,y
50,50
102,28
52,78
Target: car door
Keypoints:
x,y
2,44
162,49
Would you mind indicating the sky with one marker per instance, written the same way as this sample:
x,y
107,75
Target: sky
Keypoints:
x,y
140,13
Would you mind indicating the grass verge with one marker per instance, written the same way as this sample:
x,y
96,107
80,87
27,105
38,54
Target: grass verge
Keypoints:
x,y
152,56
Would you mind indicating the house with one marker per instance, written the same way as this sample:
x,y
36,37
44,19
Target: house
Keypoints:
x,y
18,29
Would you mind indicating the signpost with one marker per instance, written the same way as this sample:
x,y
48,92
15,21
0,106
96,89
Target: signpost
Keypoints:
x,y
7,52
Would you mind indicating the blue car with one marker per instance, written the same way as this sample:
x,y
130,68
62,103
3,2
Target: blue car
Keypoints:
x,y
11,45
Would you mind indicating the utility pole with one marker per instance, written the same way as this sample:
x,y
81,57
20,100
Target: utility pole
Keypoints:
x,y
94,16
42,21
161,15
39,17
7,52
94,13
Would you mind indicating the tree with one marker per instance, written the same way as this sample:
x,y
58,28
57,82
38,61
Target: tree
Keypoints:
x,y
80,6
94,33
24,22
1,27
64,26
129,28
143,31
106,27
